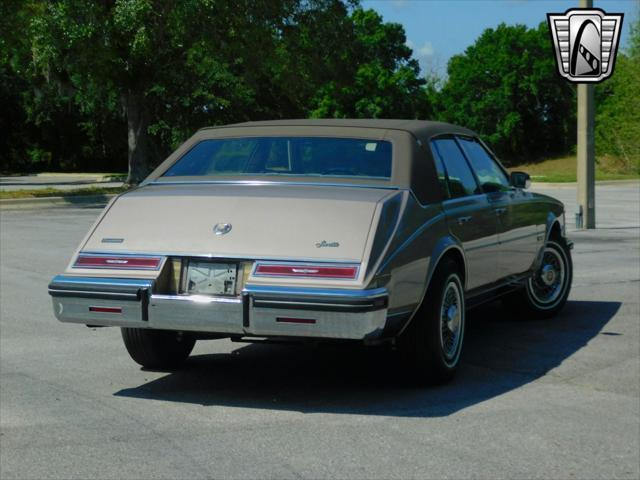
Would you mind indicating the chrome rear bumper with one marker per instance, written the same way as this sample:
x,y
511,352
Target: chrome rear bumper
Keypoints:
x,y
259,311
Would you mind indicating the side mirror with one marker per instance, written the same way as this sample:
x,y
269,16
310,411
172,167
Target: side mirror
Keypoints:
x,y
520,179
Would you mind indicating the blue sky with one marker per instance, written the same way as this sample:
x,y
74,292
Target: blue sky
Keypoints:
x,y
438,29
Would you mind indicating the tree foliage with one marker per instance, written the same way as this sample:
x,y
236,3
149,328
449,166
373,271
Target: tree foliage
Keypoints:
x,y
164,67
618,109
506,88
117,84
155,71
381,79
37,118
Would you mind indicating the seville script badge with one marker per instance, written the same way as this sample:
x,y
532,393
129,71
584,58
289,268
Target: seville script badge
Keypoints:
x,y
586,42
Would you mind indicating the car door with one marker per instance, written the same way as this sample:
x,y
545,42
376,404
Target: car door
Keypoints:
x,y
517,221
469,213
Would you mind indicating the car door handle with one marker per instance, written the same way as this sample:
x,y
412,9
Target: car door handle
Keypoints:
x,y
463,220
500,211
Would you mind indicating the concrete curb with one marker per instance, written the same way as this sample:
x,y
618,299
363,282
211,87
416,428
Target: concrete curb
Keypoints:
x,y
48,202
96,177
99,177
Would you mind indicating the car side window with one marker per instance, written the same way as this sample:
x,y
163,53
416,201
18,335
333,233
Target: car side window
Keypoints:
x,y
491,177
442,174
460,178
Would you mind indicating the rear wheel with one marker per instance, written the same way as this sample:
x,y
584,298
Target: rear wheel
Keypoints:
x,y
546,292
432,343
157,349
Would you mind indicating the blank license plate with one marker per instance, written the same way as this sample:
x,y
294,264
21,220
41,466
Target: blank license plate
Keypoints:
x,y
207,278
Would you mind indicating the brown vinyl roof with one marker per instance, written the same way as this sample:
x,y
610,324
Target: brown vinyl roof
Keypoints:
x,y
422,129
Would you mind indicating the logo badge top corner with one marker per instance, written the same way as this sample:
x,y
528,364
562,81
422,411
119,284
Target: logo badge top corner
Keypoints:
x,y
585,43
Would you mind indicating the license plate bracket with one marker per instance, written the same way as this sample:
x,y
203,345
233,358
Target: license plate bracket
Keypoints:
x,y
209,278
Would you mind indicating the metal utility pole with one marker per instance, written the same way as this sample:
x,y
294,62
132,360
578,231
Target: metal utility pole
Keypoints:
x,y
586,152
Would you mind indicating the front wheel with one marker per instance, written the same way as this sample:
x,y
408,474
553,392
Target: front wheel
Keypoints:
x,y
157,349
432,343
547,290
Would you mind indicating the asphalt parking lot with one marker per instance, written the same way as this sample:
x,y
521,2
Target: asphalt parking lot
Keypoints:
x,y
553,399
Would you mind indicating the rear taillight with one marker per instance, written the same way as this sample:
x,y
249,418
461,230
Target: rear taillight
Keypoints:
x,y
345,272
96,309
118,262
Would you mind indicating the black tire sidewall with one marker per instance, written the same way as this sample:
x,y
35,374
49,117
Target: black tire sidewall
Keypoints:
x,y
421,342
435,320
157,349
562,298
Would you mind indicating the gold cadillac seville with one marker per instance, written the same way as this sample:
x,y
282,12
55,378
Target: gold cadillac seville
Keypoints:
x,y
369,230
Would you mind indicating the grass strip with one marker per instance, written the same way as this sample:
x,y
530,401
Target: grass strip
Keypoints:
x,y
564,170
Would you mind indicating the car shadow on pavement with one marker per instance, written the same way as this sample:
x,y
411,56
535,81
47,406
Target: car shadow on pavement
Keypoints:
x,y
501,354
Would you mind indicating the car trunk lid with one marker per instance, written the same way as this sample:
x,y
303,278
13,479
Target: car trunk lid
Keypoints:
x,y
275,221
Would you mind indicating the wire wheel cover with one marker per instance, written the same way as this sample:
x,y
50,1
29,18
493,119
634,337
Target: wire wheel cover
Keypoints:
x,y
451,319
547,284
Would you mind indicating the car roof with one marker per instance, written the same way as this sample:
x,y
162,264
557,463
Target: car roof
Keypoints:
x,y
422,129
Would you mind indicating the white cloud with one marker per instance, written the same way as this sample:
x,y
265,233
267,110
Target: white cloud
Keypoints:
x,y
430,61
399,3
426,50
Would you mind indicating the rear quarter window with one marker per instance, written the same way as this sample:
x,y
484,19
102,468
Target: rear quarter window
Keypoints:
x,y
460,179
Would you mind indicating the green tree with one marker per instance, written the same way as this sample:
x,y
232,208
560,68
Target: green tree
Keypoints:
x,y
378,77
13,53
166,67
634,37
618,110
506,88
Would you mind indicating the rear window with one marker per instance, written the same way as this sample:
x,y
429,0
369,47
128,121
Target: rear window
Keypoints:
x,y
296,156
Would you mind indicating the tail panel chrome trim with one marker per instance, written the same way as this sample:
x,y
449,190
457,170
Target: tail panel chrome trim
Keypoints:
x,y
327,313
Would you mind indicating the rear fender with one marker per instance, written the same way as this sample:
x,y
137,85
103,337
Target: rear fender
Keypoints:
x,y
91,231
553,221
444,246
